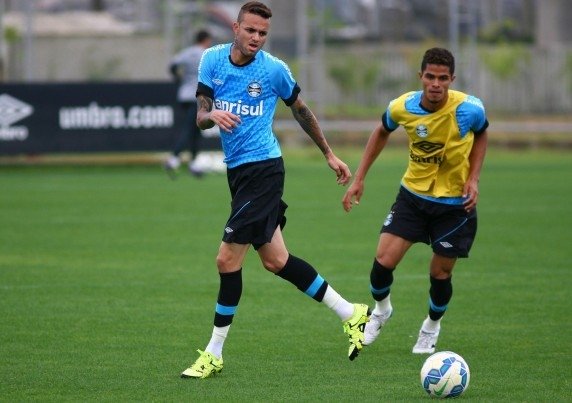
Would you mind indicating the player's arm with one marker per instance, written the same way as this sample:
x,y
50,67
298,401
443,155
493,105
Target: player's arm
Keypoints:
x,y
375,144
308,122
208,116
204,109
476,158
310,125
175,72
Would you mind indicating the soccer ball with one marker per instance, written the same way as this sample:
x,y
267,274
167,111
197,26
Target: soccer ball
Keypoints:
x,y
445,374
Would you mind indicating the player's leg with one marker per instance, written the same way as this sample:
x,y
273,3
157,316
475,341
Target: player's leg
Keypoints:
x,y
194,131
276,258
452,235
229,263
440,293
174,160
402,227
195,139
390,250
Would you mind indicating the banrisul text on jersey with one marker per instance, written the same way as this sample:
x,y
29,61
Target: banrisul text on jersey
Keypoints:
x,y
240,108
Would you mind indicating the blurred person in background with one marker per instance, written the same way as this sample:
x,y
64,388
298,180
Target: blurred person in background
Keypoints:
x,y
184,69
437,199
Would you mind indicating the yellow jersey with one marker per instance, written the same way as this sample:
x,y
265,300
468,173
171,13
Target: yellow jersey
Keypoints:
x,y
439,142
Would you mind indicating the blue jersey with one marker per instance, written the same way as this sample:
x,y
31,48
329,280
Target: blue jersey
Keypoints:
x,y
250,91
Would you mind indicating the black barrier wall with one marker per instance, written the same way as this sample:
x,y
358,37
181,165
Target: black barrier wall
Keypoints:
x,y
76,117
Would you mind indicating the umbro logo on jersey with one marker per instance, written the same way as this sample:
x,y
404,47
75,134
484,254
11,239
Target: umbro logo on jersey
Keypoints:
x,y
428,146
446,245
218,81
228,230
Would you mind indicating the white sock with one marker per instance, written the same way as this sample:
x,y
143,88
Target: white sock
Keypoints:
x,y
431,326
217,341
340,306
382,306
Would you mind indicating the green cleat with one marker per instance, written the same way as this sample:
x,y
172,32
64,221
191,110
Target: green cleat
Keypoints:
x,y
354,328
205,366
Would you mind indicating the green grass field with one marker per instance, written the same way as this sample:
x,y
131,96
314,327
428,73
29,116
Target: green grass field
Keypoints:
x,y
108,286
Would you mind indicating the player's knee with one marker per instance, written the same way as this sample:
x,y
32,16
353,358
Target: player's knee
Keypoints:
x,y
386,260
271,266
440,273
224,262
442,267
273,263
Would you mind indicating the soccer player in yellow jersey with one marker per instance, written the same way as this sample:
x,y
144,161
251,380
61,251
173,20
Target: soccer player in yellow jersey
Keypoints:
x,y
436,203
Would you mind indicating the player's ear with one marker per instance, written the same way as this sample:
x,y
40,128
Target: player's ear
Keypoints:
x,y
453,78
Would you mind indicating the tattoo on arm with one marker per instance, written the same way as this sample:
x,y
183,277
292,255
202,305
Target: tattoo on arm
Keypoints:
x,y
309,124
204,106
205,103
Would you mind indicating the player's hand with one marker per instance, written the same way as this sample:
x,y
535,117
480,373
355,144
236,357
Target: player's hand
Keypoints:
x,y
227,121
343,173
352,196
470,194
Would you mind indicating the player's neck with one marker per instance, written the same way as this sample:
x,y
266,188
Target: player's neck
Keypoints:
x,y
239,58
433,106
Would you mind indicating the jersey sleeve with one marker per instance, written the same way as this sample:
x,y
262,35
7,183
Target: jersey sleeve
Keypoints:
x,y
388,123
284,83
205,74
471,116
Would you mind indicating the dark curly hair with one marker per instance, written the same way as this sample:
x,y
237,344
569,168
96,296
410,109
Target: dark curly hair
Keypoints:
x,y
439,56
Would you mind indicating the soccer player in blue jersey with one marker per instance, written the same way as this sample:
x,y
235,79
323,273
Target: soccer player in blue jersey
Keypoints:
x,y
239,86
437,199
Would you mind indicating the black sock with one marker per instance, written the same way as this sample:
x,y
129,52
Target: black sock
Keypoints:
x,y
381,279
304,277
440,294
228,296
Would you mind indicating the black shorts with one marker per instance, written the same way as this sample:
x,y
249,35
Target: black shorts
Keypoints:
x,y
449,229
257,208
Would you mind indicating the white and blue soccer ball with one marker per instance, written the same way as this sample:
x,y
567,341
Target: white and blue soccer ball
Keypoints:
x,y
445,374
